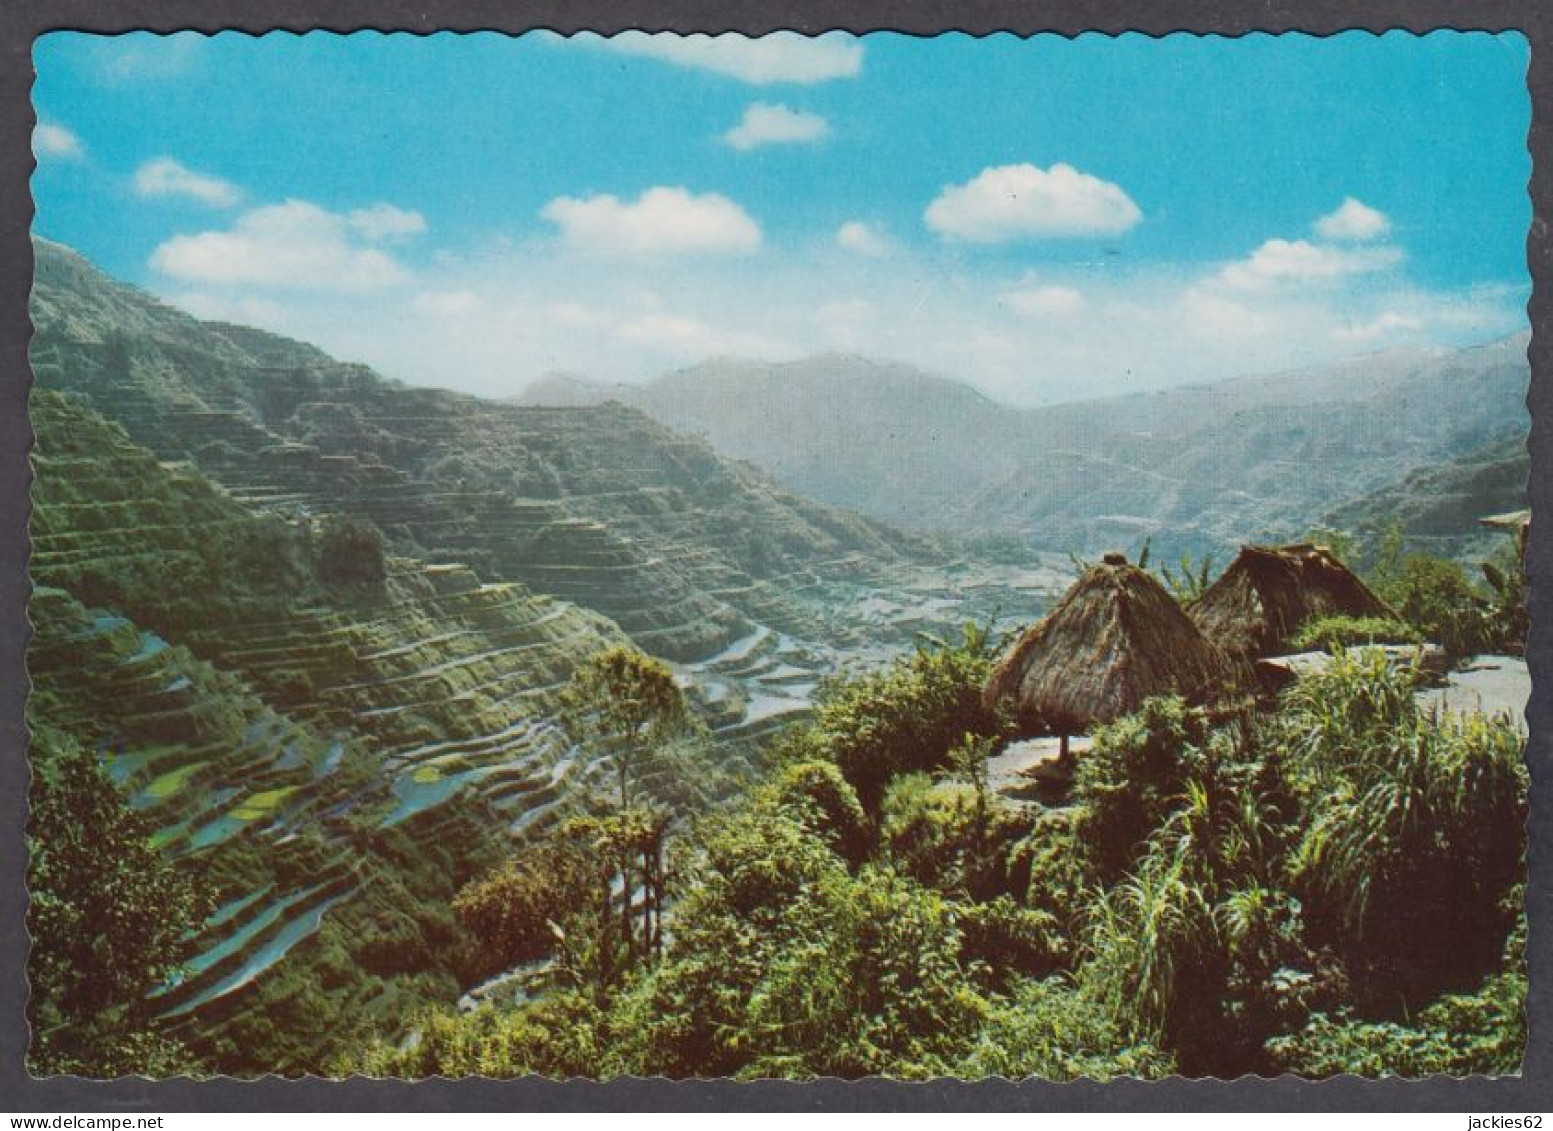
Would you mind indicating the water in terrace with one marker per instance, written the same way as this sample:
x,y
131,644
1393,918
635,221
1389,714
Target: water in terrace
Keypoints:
x,y
753,683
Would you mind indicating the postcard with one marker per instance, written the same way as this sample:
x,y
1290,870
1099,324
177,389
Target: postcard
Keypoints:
x,y
708,556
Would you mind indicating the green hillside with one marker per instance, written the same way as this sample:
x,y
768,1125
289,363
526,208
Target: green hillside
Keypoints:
x,y
307,737
316,628
600,506
1438,508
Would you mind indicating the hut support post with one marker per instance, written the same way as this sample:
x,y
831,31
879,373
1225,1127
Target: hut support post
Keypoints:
x,y
1062,748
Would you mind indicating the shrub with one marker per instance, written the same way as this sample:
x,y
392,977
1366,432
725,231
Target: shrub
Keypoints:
x,y
1332,633
816,795
1436,596
909,716
784,964
1009,940
1053,1030
947,836
557,1036
517,910
1414,826
110,920
1457,1035
1507,621
1131,779
1048,866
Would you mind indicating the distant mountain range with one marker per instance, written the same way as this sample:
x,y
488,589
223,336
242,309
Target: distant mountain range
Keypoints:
x,y
1200,466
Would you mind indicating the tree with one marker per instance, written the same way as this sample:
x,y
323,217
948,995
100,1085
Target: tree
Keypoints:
x,y
350,552
110,918
629,704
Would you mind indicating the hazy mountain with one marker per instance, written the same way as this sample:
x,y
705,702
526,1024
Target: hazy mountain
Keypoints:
x,y
889,440
1201,465
1439,508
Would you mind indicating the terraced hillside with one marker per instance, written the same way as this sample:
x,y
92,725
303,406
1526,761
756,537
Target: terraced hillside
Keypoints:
x,y
338,749
316,624
599,506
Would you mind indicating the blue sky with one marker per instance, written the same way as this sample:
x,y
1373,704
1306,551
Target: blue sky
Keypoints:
x,y
1046,218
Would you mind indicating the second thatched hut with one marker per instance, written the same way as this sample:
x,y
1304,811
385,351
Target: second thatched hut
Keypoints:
x,y
1115,639
1270,592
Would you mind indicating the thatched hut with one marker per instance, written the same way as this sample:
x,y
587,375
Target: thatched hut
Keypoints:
x,y
1115,639
1517,523
1269,592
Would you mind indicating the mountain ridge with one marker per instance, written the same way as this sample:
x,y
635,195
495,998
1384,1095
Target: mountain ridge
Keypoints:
x,y
1204,465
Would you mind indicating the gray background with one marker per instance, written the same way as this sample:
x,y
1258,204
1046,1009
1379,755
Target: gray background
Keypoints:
x,y
22,20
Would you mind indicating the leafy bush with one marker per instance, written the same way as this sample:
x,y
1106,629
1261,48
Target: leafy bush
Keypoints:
x,y
1048,868
1053,1030
517,911
1436,596
111,920
944,835
819,798
1132,778
909,716
1458,1034
1332,633
1008,940
783,963
557,1035
1507,621
1414,826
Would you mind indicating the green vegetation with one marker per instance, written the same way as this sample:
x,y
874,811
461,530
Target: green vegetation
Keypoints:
x,y
112,920
1434,597
1216,898
1332,633
907,717
322,628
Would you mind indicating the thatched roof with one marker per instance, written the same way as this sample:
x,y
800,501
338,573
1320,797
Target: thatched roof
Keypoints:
x,y
1115,639
1514,520
1269,592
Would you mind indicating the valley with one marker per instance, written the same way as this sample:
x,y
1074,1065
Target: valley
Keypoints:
x,y
315,626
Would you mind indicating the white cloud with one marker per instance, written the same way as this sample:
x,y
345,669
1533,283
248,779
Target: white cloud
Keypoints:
x,y
1011,202
1385,325
385,222
1205,311
687,336
52,140
492,317
462,303
144,56
1044,301
1353,220
1300,261
163,176
660,221
781,57
295,245
864,239
766,123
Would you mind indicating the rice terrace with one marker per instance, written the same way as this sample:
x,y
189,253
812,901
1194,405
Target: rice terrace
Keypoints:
x,y
782,557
